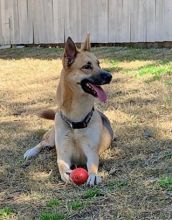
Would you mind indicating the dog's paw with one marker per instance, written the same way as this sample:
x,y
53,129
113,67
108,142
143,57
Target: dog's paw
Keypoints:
x,y
31,153
93,180
65,176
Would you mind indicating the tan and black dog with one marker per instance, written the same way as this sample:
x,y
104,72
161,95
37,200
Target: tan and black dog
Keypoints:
x,y
80,133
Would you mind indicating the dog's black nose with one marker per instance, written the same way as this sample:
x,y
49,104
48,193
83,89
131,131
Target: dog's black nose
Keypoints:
x,y
106,77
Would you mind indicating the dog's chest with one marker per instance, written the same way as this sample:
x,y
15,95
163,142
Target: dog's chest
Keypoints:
x,y
78,155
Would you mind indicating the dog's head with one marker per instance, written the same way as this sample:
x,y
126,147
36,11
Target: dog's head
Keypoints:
x,y
82,71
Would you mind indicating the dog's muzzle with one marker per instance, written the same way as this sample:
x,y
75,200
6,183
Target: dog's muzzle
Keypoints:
x,y
92,84
101,78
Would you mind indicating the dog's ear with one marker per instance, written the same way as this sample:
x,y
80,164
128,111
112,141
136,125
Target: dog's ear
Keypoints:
x,y
86,46
70,51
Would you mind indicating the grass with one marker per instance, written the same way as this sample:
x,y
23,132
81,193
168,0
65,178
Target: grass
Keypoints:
x,y
90,193
6,212
53,203
52,216
75,205
166,183
117,184
136,171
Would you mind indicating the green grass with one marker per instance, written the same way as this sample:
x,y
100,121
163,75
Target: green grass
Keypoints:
x,y
53,215
5,212
51,212
166,183
117,184
90,193
75,205
53,203
156,69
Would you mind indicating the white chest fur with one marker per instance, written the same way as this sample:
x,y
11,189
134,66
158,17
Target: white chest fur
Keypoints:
x,y
74,141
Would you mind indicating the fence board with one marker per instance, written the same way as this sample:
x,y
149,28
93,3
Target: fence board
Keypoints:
x,y
58,20
103,19
72,13
1,34
160,35
42,20
14,24
25,23
5,21
168,20
94,19
150,20
116,21
119,21
138,21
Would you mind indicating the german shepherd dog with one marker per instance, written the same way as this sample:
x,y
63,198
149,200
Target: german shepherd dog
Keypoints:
x,y
80,133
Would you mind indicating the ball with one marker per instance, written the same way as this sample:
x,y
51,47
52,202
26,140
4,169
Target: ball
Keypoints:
x,y
79,176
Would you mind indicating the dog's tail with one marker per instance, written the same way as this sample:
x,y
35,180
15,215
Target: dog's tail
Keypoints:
x,y
48,114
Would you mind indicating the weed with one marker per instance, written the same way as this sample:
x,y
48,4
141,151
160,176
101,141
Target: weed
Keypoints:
x,y
90,193
5,212
75,205
166,183
53,203
117,184
52,216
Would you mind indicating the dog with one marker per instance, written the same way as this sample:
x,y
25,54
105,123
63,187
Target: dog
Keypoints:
x,y
81,132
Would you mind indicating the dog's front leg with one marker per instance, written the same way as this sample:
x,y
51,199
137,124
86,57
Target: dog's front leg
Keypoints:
x,y
92,166
64,154
64,164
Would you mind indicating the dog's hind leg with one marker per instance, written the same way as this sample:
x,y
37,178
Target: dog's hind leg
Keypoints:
x,y
47,141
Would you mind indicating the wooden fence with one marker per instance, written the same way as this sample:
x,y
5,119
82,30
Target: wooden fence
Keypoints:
x,y
115,21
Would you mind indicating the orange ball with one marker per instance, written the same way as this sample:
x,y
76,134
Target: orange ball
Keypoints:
x,y
79,176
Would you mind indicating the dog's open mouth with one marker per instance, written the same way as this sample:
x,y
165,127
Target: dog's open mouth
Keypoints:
x,y
94,90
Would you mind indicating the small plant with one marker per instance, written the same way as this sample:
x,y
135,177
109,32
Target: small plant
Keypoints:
x,y
5,212
94,192
53,203
74,205
117,184
52,216
166,183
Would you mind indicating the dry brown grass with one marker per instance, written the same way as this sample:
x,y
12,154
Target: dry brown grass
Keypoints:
x,y
134,169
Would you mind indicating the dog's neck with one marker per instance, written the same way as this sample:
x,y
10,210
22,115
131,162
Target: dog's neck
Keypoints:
x,y
79,107
73,105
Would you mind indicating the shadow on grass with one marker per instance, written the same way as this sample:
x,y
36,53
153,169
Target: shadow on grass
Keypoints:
x,y
111,53
32,53
21,184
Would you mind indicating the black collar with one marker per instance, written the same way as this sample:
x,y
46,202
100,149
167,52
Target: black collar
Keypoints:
x,y
78,125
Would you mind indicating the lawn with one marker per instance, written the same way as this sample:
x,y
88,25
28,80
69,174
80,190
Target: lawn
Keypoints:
x,y
136,171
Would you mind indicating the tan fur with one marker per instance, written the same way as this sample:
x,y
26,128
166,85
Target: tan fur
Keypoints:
x,y
79,145
86,46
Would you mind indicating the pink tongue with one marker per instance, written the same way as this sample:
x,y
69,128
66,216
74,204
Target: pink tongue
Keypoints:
x,y
100,93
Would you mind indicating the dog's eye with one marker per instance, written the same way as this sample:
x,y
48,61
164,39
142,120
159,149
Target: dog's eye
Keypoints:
x,y
88,66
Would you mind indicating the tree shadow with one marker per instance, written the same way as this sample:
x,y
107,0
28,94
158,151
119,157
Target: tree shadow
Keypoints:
x,y
31,53
118,54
